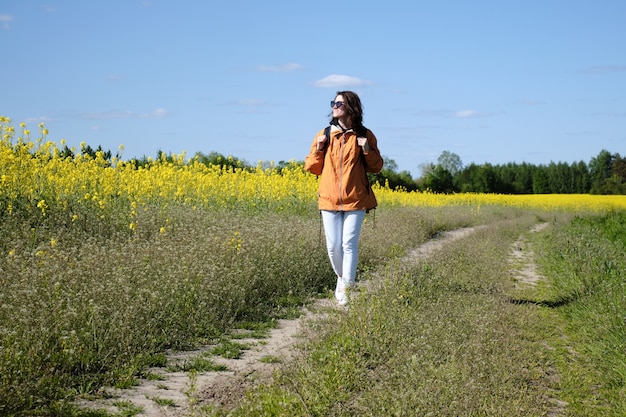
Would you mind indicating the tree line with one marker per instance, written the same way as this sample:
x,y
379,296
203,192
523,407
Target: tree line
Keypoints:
x,y
604,174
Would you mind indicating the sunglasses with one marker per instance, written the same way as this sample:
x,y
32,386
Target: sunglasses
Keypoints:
x,y
336,103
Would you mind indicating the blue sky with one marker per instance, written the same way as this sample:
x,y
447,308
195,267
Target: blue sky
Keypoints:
x,y
535,81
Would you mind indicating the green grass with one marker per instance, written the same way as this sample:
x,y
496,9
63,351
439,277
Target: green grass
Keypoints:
x,y
271,359
449,336
585,265
228,349
435,338
198,364
164,402
100,306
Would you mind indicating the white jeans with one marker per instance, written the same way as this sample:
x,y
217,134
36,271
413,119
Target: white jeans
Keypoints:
x,y
342,229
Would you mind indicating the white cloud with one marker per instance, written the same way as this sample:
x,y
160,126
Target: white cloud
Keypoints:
x,y
459,114
280,68
467,114
337,81
158,113
108,115
250,102
464,114
604,69
39,119
5,19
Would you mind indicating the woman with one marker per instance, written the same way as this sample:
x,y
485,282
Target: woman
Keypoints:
x,y
342,161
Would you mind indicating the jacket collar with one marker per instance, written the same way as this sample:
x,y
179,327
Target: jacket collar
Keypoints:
x,y
335,126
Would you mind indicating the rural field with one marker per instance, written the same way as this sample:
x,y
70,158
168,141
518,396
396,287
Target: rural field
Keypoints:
x,y
112,272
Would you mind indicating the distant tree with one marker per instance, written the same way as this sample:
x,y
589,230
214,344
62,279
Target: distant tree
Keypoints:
x,y
478,179
600,166
389,164
426,168
523,179
439,180
216,158
88,150
541,183
581,180
487,180
606,172
390,175
289,164
618,169
66,152
451,162
464,180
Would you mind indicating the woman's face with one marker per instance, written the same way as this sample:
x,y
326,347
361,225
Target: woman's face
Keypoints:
x,y
339,109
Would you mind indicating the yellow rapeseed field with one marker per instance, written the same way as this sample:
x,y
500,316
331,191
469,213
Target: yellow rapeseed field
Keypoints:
x,y
34,176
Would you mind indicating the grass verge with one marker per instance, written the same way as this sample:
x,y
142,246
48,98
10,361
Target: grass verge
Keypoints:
x,y
586,293
439,337
88,304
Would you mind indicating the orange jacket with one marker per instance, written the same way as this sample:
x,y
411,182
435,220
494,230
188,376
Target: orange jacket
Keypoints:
x,y
342,167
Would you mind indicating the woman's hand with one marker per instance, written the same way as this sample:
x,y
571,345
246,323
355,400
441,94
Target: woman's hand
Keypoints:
x,y
363,143
320,142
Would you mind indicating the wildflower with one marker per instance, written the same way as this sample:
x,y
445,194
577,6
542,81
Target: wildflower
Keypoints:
x,y
53,242
43,206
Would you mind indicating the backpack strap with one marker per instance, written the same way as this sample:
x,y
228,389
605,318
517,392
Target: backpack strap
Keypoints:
x,y
327,133
361,131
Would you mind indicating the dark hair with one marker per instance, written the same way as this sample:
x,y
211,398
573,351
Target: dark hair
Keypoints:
x,y
352,104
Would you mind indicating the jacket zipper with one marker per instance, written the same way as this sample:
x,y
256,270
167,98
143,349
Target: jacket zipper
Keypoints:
x,y
341,146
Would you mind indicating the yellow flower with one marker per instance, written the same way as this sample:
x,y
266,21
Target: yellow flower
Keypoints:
x,y
53,242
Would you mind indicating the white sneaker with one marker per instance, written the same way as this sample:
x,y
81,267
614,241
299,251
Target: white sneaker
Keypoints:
x,y
340,292
342,298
